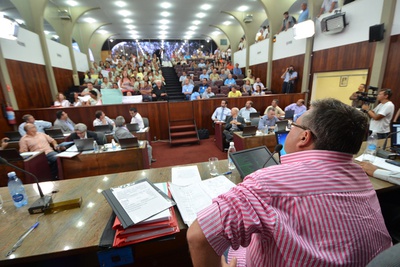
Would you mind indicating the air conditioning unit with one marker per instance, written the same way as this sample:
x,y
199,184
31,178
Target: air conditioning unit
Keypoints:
x,y
64,15
248,18
334,24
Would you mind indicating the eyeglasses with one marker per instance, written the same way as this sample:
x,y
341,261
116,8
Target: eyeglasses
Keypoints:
x,y
303,128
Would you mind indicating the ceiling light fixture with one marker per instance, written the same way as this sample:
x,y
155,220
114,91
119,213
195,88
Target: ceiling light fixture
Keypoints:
x,y
227,23
72,3
46,32
200,15
163,32
193,28
205,7
102,31
120,3
164,21
243,8
165,14
196,22
89,20
127,20
131,27
164,27
165,5
124,13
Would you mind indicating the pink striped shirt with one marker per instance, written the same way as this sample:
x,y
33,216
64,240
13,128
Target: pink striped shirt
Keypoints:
x,y
317,208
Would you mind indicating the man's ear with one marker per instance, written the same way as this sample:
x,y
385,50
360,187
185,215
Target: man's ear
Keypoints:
x,y
306,140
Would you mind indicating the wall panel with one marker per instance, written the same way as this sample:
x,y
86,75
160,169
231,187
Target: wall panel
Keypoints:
x,y
279,67
4,126
392,77
260,71
63,79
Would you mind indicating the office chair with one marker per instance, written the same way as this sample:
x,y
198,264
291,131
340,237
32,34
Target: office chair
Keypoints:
x,y
389,258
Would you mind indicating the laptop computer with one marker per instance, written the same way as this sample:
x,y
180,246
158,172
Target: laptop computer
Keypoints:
x,y
13,136
249,130
128,142
133,127
11,155
250,160
54,133
84,144
103,128
281,126
395,138
289,115
280,139
254,115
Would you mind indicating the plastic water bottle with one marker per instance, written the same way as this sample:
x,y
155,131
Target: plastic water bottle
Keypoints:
x,y
231,149
370,150
17,190
95,147
113,145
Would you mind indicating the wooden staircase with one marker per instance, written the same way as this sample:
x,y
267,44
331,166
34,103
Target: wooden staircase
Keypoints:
x,y
183,132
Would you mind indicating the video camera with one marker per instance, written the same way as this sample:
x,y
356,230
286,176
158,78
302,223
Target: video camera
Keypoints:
x,y
369,96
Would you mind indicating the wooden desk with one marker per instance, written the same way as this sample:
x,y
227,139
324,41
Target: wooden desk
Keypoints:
x,y
71,238
219,136
247,142
92,164
140,135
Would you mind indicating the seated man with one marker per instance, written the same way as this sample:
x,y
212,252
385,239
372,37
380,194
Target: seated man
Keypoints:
x,y
214,76
136,118
208,93
298,107
159,93
187,89
268,121
234,123
230,82
81,132
221,112
204,75
203,86
102,119
278,111
237,71
246,110
258,82
122,132
64,122
223,75
89,88
234,92
259,219
183,78
40,125
34,141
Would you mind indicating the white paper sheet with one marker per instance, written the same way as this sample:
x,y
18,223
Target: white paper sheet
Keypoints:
x,y
184,176
67,154
380,163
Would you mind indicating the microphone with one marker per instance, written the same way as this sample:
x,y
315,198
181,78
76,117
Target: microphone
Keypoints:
x,y
386,139
40,205
278,148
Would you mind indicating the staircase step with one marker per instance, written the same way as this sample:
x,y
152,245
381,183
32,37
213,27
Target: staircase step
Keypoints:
x,y
182,127
184,141
186,134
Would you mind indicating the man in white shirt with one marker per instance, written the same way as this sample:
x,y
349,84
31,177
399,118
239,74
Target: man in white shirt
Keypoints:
x,y
246,110
221,112
328,6
258,82
381,115
208,93
136,118
102,119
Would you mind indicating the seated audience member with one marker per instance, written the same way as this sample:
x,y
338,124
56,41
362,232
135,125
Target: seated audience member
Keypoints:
x,y
268,121
122,132
136,117
230,82
203,86
214,76
106,84
61,101
258,91
63,122
247,87
234,92
298,107
288,22
258,82
195,94
223,75
201,64
250,78
145,91
40,125
102,119
77,102
208,93
259,219
183,78
246,110
204,75
221,112
115,86
159,93
327,6
34,141
90,77
187,89
88,89
234,123
4,143
237,71
242,44
278,111
94,99
81,132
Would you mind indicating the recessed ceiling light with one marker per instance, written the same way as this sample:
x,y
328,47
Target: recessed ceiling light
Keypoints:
x,y
120,3
127,20
189,32
227,22
205,7
200,15
131,27
187,37
164,21
164,27
163,36
215,33
165,14
46,32
165,5
89,20
163,32
102,31
72,3
124,13
133,32
193,28
196,22
243,8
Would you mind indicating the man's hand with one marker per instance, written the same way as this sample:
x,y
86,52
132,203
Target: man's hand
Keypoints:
x,y
368,168
365,107
233,262
4,142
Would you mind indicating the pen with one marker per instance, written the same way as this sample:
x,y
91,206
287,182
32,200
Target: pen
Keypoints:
x,y
226,173
21,239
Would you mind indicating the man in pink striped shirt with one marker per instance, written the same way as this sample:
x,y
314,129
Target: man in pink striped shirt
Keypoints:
x,y
317,208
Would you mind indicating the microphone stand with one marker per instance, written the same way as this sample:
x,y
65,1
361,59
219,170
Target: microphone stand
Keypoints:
x,y
278,148
40,205
386,139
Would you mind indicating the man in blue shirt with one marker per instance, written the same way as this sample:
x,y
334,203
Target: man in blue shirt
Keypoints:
x,y
40,125
237,70
203,86
304,14
187,89
230,81
204,75
298,107
268,121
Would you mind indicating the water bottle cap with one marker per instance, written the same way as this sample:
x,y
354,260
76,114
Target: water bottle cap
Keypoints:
x,y
231,143
11,174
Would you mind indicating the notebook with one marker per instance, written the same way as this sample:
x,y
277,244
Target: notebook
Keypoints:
x,y
128,142
54,133
395,138
289,115
250,160
280,139
103,128
84,144
12,155
249,131
281,126
14,136
133,127
254,115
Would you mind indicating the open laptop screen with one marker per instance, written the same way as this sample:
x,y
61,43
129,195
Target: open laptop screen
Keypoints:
x,y
280,139
395,138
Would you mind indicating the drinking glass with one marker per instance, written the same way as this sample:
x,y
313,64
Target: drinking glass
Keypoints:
x,y
212,165
1,205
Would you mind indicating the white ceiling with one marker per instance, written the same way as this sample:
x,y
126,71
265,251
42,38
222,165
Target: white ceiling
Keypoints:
x,y
146,16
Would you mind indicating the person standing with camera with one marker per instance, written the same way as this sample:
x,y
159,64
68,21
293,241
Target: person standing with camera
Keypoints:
x,y
289,76
381,115
355,97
